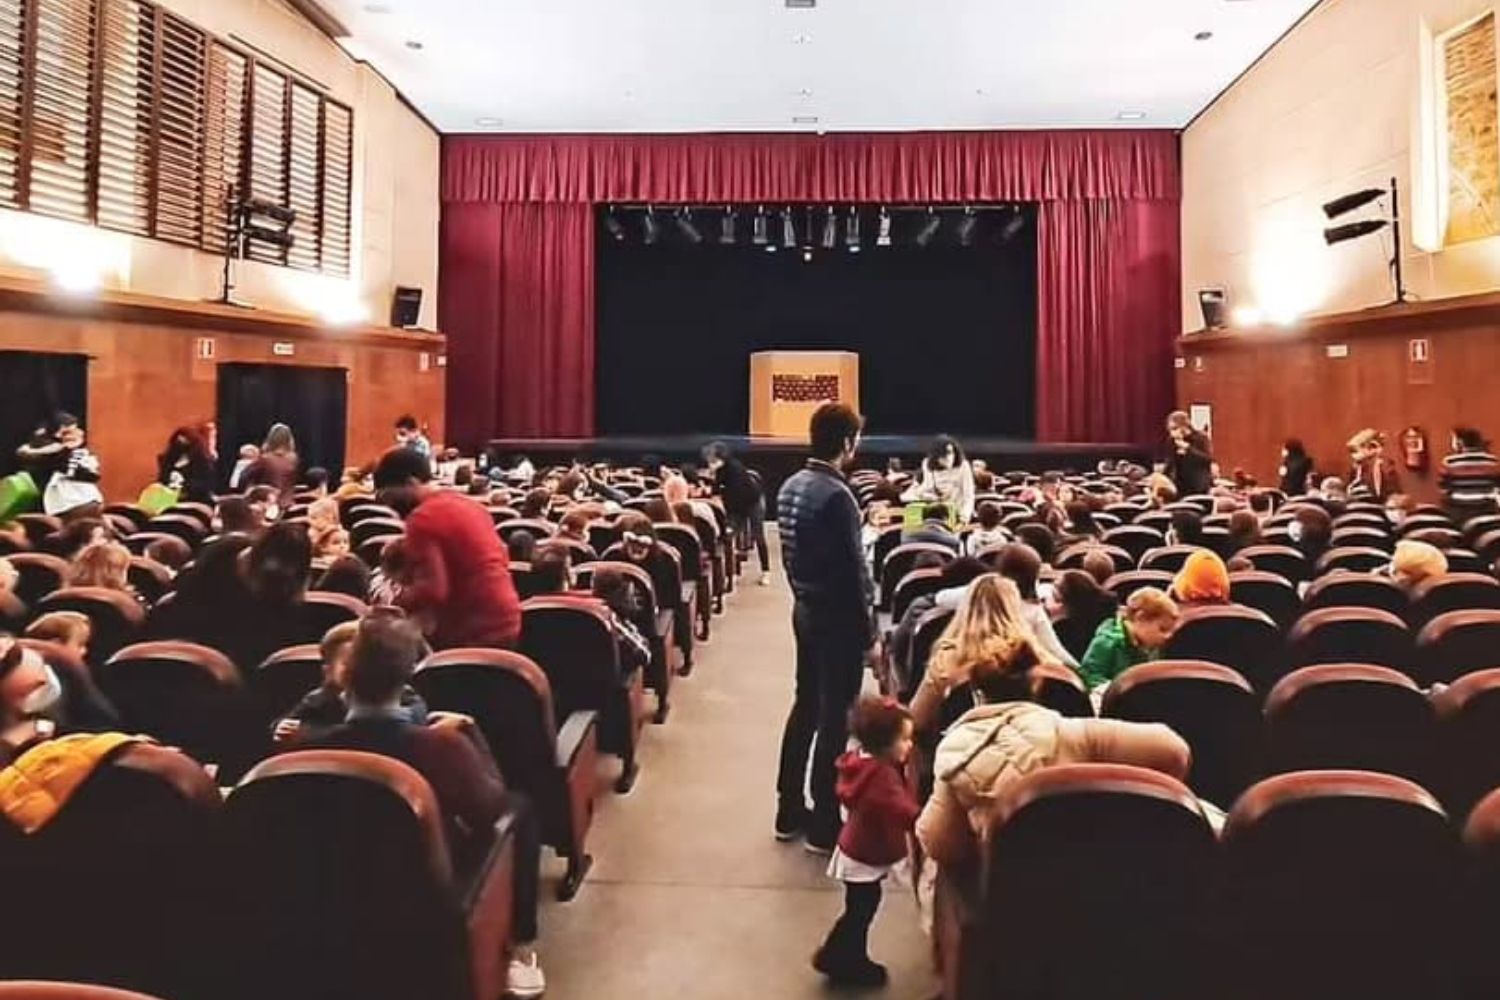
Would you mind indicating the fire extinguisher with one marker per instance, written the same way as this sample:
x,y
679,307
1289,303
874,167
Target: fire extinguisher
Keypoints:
x,y
1414,449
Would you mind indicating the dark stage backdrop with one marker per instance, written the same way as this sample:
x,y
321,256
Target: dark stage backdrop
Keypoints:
x,y
946,335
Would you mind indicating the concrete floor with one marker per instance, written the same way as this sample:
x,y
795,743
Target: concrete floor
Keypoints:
x,y
690,893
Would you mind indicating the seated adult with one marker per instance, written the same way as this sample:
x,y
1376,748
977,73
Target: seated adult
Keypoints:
x,y
575,523
1135,635
520,546
1079,599
934,528
1186,528
1311,530
1203,580
459,576
450,753
989,626
957,574
1080,525
1244,530
237,515
1021,565
39,701
1008,736
1414,563
1098,565
989,531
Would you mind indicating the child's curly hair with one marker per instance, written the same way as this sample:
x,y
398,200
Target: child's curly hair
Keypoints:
x,y
876,722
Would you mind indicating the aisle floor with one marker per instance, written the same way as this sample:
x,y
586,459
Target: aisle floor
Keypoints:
x,y
689,890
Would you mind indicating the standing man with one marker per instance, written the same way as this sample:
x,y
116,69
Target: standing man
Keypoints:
x,y
820,537
460,587
1190,460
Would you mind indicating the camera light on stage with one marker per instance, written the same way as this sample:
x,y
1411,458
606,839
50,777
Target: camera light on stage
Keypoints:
x,y
650,228
830,230
883,239
966,227
788,230
726,228
851,232
929,228
761,230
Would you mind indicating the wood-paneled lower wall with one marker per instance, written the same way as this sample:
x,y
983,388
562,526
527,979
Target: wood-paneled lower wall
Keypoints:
x,y
147,374
1332,375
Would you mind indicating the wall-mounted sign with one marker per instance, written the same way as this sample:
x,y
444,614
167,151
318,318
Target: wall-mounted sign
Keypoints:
x,y
1338,350
203,348
283,349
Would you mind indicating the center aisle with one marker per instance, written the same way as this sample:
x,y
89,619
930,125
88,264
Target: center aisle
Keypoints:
x,y
689,890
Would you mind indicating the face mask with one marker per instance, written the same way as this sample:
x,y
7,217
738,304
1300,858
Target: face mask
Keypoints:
x,y
1294,531
43,698
1393,515
272,512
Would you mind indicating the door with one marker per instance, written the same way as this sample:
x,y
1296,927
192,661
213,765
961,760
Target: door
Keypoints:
x,y
313,402
35,387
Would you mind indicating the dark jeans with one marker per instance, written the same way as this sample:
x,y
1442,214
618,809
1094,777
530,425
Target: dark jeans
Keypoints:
x,y
750,528
850,938
830,666
470,854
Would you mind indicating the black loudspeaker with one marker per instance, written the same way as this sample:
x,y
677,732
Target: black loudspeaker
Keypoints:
x,y
406,306
1212,300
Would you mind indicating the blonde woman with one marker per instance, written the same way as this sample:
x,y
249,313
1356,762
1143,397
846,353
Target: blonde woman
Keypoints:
x,y
989,626
102,564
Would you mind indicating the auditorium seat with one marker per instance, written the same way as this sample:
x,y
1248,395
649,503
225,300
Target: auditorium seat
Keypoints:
x,y
38,574
1168,558
659,586
917,583
1487,547
129,511
364,509
571,641
1268,592
1452,592
12,544
1243,639
1072,557
1363,520
1122,585
321,610
539,528
117,618
1351,716
342,877
1350,635
1339,884
1466,561
1096,881
142,540
1457,643
1062,690
1468,712
552,763
1157,520
924,636
371,549
578,552
184,526
1356,590
1481,904
200,512
149,578
188,696
1283,560
499,515
1210,706
1361,559
1416,523
119,887
281,680
374,527
39,990
697,590
901,561
38,526
1076,632
1362,536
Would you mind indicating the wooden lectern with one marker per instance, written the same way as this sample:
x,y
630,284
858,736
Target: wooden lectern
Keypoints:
x,y
787,386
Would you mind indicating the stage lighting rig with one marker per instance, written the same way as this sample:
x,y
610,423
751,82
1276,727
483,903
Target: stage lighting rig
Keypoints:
x,y
788,230
830,230
851,231
650,228
613,227
966,227
688,227
883,238
930,228
1334,235
761,229
1013,225
726,228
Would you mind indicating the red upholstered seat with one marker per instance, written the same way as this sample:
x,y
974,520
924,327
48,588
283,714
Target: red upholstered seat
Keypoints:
x,y
1359,559
1355,590
1073,556
1283,560
1168,558
917,583
1243,639
1122,585
1452,592
1362,536
340,856
510,699
374,527
279,682
1120,856
1210,706
321,610
1339,884
39,574
1457,643
1468,712
1268,592
36,990
901,561
1350,716
188,527
1350,635
117,618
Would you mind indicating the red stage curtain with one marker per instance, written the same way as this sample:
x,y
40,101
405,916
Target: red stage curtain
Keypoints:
x,y
517,290
517,304
1108,310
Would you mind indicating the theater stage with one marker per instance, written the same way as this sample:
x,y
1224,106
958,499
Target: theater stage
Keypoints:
x,y
777,458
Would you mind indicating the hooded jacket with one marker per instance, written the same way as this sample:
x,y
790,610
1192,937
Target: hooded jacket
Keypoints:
x,y
881,808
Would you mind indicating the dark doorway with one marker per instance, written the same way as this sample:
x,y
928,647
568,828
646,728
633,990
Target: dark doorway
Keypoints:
x,y
35,386
943,317
313,402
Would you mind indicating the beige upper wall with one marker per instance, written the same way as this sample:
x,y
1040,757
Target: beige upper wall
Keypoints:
x,y
1335,107
395,194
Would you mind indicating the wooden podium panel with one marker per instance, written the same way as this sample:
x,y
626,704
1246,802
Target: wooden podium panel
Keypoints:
x,y
787,386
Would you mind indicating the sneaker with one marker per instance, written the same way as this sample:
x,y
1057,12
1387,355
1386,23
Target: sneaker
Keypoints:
x,y
846,972
791,821
765,579
524,979
818,842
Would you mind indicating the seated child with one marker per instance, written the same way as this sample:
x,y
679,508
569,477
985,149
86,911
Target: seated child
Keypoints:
x,y
325,706
69,629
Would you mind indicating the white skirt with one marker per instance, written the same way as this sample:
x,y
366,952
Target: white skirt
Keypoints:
x,y
847,869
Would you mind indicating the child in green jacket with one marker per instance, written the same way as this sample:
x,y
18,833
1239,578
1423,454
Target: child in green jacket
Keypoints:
x,y
1134,636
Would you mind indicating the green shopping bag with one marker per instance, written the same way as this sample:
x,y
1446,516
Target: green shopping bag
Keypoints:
x,y
18,495
156,498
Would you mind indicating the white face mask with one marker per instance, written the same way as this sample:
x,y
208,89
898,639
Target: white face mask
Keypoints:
x,y
42,699
272,512
1393,515
1294,531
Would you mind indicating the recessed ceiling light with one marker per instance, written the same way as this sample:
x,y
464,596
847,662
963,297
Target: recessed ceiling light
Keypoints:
x,y
414,45
804,119
1131,116
489,122
377,8
1203,36
804,92
979,91
801,39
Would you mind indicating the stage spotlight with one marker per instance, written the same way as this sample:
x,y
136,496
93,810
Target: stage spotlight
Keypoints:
x,y
788,230
1353,230
688,228
650,228
760,229
851,232
966,227
1013,225
830,230
1350,202
929,228
613,227
883,239
726,228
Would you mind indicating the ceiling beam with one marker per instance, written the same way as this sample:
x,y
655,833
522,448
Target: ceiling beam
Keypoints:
x,y
320,18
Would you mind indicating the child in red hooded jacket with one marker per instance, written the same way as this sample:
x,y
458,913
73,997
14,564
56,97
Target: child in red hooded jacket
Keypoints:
x,y
881,812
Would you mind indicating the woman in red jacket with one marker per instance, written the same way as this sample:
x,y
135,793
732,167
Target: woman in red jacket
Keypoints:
x,y
882,811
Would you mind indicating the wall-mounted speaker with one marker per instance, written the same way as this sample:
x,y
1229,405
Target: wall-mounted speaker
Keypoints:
x,y
406,307
1214,301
